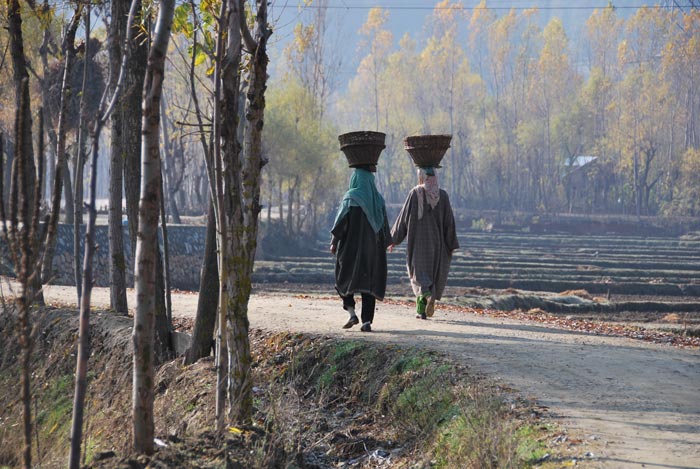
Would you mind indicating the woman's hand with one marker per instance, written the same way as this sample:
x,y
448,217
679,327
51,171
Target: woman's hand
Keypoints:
x,y
333,248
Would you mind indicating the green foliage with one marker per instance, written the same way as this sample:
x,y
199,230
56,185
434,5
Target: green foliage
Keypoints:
x,y
302,149
479,435
91,447
416,393
341,358
424,403
424,399
326,379
57,404
411,363
345,350
297,143
530,446
181,21
687,199
185,23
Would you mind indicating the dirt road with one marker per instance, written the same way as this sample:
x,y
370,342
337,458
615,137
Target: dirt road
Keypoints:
x,y
640,400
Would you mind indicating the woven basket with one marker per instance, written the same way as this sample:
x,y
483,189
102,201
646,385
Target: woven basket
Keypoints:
x,y
427,150
362,147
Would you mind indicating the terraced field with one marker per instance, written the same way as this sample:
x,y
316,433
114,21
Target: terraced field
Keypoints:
x,y
622,265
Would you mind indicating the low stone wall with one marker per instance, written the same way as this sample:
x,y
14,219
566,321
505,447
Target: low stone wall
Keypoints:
x,y
185,242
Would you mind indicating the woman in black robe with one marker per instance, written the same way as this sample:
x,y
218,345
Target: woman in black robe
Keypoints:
x,y
360,237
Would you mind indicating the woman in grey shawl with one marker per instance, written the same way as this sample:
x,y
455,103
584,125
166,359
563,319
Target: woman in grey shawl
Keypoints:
x,y
426,219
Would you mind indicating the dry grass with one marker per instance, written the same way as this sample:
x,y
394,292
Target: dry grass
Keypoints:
x,y
580,293
673,318
318,402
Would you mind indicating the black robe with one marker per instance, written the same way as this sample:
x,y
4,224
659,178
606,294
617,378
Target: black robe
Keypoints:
x,y
360,265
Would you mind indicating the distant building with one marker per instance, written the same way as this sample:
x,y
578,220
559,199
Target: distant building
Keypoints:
x,y
580,161
581,178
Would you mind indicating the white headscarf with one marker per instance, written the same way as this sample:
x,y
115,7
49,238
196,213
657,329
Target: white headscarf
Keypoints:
x,y
428,189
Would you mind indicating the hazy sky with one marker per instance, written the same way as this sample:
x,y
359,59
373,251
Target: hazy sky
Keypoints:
x,y
409,16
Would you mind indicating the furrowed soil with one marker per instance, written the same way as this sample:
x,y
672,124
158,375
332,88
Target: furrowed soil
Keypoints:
x,y
638,401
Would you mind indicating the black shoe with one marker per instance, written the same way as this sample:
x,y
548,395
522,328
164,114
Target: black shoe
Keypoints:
x,y
351,322
366,327
421,316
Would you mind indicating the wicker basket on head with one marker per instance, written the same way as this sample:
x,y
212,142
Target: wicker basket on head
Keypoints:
x,y
362,147
427,150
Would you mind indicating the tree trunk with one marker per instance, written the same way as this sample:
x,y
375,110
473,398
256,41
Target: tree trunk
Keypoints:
x,y
36,239
84,333
269,207
84,327
172,209
47,272
200,186
209,280
281,200
68,194
132,119
290,207
163,326
78,167
300,216
77,204
23,179
87,277
117,258
117,155
164,304
24,150
224,144
205,320
168,170
7,174
50,164
173,203
147,242
24,137
69,51
244,237
180,198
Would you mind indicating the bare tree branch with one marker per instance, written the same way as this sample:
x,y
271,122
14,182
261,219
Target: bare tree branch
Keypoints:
x,y
248,40
122,70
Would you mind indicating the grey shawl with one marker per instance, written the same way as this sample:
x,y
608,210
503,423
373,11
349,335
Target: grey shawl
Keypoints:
x,y
431,240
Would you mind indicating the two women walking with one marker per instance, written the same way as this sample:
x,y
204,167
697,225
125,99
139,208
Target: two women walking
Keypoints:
x,y
361,235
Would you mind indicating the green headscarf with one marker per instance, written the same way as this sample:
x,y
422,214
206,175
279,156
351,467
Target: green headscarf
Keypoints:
x,y
363,193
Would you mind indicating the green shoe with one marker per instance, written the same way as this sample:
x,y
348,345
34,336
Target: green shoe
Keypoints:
x,y
421,303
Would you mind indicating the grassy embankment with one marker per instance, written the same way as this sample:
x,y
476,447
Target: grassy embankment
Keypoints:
x,y
319,402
